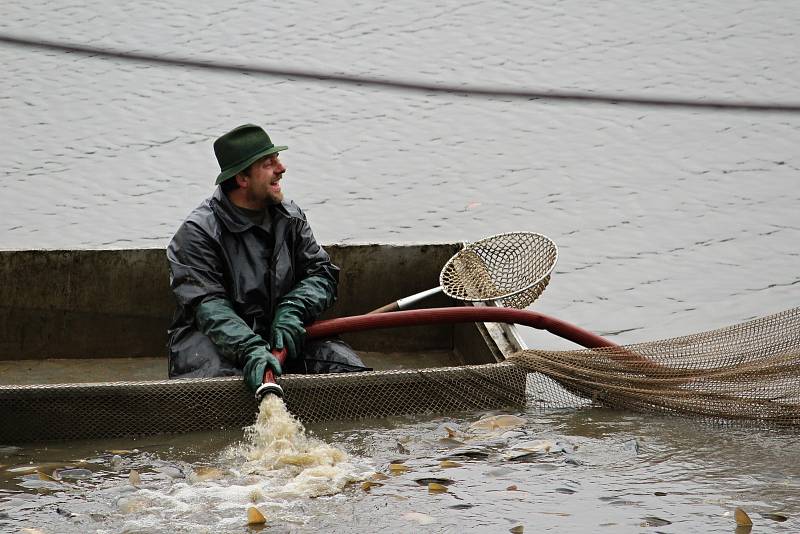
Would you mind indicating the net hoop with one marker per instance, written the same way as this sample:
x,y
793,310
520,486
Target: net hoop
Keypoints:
x,y
513,268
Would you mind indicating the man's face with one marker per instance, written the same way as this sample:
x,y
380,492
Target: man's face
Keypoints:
x,y
264,186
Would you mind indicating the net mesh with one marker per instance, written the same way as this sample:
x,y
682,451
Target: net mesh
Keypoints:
x,y
747,371
513,268
118,409
743,372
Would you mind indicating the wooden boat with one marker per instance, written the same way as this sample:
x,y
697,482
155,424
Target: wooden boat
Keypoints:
x,y
83,334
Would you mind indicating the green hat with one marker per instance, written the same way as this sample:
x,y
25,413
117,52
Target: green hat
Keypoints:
x,y
240,148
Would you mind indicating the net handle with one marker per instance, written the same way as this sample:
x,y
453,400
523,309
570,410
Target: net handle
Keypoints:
x,y
407,302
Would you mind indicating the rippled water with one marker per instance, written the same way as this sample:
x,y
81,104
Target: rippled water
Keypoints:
x,y
668,221
578,471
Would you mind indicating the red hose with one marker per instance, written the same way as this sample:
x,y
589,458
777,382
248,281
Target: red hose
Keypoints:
x,y
465,314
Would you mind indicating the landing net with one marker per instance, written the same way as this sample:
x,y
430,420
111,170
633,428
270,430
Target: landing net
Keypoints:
x,y
512,269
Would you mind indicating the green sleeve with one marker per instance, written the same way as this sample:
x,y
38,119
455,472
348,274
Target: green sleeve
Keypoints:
x,y
235,340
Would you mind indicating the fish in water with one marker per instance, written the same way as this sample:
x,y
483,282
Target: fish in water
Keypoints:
x,y
467,454
742,519
203,473
653,521
369,484
434,487
431,480
255,517
498,422
74,474
420,518
397,469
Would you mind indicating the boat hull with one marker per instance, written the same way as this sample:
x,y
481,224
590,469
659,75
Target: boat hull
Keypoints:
x,y
99,318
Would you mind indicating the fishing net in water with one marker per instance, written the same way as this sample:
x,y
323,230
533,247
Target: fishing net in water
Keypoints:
x,y
750,371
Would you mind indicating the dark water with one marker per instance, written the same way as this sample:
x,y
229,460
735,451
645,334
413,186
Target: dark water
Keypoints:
x,y
668,221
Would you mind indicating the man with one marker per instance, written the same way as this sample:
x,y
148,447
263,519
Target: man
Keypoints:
x,y
248,274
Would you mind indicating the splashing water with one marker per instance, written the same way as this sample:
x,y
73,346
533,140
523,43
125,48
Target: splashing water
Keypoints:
x,y
277,448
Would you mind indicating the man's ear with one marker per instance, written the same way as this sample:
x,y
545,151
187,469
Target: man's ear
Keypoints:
x,y
241,180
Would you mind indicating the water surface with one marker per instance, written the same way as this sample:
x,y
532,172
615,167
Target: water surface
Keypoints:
x,y
668,221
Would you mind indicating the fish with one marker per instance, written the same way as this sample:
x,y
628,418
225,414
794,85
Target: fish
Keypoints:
x,y
467,454
496,422
396,469
134,478
255,517
653,521
34,468
74,473
434,487
116,462
170,471
203,473
368,485
780,518
539,445
430,480
64,512
44,476
742,519
417,517
447,464
522,457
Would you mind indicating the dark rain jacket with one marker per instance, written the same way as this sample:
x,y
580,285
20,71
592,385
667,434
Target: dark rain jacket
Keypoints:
x,y
217,253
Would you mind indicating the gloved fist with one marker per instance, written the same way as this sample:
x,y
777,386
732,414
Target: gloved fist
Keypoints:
x,y
257,361
287,330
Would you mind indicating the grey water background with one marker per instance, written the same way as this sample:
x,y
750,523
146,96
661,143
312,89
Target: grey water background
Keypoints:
x,y
668,221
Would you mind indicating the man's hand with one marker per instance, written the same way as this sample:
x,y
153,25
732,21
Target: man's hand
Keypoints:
x,y
257,361
287,329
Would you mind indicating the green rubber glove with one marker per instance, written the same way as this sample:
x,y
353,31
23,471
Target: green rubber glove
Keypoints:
x,y
287,330
303,304
257,364
236,341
